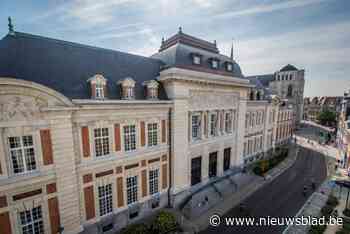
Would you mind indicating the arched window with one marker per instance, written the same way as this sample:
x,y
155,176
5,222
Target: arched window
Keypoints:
x,y
290,91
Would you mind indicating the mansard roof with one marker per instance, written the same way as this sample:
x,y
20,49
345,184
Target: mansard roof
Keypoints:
x,y
178,50
65,66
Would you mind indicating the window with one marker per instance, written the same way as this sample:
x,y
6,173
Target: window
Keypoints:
x,y
22,154
196,170
214,64
213,124
213,164
99,90
196,59
105,199
129,93
129,137
152,93
227,158
152,129
229,66
245,149
290,91
101,141
196,127
32,221
228,122
247,120
153,181
131,189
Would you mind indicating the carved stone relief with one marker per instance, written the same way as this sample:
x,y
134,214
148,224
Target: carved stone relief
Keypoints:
x,y
17,107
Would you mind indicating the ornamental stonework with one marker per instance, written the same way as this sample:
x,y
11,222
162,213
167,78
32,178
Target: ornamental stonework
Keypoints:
x,y
16,107
206,100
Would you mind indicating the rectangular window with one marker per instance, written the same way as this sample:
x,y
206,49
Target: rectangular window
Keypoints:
x,y
228,122
245,149
196,126
105,198
152,129
215,64
129,92
196,170
196,59
213,164
213,124
129,137
99,90
101,141
153,181
32,221
227,158
247,120
22,154
131,189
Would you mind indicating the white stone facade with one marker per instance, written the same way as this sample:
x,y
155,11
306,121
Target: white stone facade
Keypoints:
x,y
77,171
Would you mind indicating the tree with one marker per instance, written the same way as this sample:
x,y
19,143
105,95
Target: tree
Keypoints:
x,y
327,117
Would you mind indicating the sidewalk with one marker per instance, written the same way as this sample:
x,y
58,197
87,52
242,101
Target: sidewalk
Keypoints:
x,y
200,223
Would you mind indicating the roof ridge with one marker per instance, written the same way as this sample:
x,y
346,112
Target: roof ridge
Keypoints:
x,y
76,44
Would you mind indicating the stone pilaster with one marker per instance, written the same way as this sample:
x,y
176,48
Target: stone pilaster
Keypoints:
x,y
66,174
242,109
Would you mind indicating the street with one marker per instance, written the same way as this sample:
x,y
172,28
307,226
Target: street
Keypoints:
x,y
282,197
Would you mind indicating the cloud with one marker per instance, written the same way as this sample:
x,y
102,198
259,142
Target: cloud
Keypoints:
x,y
266,8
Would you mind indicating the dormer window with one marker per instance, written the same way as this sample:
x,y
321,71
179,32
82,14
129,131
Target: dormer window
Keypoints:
x,y
127,86
151,87
99,90
98,86
215,64
229,67
196,59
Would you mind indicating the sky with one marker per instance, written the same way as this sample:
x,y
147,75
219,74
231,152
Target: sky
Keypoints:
x,y
267,34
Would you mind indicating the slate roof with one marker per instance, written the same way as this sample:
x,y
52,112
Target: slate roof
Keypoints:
x,y
288,67
177,51
66,66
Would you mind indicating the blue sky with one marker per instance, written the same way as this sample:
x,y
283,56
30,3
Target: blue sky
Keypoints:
x,y
310,34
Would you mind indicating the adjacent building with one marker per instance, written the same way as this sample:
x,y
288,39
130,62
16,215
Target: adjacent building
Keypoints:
x,y
93,139
343,130
314,106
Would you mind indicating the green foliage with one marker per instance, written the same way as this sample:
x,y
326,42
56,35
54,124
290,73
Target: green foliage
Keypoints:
x,y
164,223
317,229
332,201
326,210
136,229
346,212
326,117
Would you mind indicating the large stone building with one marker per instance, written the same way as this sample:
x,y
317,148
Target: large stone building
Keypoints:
x,y
92,139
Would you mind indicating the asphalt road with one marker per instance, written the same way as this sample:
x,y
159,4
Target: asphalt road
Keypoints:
x,y
283,197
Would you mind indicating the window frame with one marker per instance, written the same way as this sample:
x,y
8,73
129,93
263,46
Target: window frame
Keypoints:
x,y
199,125
153,181
103,140
132,190
99,90
25,159
228,122
213,128
36,221
129,137
152,134
105,199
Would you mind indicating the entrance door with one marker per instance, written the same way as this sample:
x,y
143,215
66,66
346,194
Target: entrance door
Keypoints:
x,y
213,158
196,170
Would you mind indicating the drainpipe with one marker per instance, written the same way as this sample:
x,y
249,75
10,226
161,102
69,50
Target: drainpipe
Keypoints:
x,y
170,159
